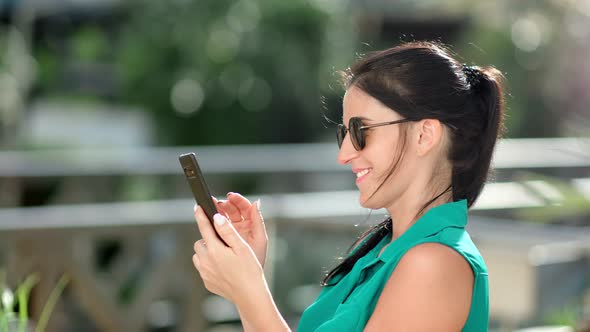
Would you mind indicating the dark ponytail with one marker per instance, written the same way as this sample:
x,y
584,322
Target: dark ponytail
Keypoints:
x,y
472,148
421,80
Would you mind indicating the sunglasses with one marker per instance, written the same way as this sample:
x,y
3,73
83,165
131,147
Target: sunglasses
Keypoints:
x,y
357,131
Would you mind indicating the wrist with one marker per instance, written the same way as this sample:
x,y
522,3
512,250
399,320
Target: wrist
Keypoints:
x,y
258,310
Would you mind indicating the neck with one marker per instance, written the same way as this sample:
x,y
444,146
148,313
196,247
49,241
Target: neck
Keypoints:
x,y
404,211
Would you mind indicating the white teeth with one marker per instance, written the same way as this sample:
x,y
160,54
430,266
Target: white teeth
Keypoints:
x,y
363,172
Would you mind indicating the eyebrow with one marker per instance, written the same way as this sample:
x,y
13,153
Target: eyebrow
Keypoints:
x,y
360,117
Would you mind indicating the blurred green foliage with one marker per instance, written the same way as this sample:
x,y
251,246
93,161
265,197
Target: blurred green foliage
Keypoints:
x,y
566,316
528,72
20,319
224,72
255,71
210,72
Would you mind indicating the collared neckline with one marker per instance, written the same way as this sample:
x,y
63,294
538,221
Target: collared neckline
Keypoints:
x,y
452,214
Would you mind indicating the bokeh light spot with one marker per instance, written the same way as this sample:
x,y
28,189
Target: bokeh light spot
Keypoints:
x,y
187,96
526,34
222,45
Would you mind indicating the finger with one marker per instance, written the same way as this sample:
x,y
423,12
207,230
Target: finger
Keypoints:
x,y
221,205
206,229
227,232
197,262
217,203
241,202
199,246
258,226
232,211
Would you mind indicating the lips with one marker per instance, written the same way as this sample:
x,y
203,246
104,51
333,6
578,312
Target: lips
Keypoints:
x,y
361,174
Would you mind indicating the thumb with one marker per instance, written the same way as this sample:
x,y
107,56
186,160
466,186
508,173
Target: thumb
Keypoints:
x,y
258,227
227,231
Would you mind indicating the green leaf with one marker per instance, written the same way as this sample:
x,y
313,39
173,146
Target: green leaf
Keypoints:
x,y
51,301
22,293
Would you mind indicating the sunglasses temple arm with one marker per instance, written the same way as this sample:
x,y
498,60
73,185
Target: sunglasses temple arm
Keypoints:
x,y
384,124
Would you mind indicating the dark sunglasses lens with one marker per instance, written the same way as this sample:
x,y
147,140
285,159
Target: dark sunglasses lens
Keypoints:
x,y
356,133
340,134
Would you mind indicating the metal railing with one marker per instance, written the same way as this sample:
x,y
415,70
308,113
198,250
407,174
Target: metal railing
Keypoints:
x,y
319,157
155,237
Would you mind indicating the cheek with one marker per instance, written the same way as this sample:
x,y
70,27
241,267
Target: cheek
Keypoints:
x,y
383,165
394,172
384,158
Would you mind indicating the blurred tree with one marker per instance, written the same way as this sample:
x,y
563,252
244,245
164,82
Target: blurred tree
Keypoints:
x,y
517,39
224,72
252,71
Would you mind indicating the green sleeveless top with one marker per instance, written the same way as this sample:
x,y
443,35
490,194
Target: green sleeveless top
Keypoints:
x,y
348,305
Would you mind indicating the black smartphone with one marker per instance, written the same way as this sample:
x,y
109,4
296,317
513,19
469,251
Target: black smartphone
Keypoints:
x,y
196,181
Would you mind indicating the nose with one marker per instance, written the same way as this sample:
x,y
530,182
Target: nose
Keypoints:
x,y
347,151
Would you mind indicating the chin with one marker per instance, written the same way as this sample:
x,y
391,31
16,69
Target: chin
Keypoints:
x,y
369,203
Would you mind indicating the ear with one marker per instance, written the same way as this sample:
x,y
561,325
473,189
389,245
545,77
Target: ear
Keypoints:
x,y
429,134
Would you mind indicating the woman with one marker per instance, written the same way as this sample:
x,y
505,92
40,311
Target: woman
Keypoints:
x,y
419,130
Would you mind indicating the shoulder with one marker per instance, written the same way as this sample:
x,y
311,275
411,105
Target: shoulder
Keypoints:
x,y
444,270
430,289
435,259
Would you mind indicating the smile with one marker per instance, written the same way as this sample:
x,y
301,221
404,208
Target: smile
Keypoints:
x,y
361,174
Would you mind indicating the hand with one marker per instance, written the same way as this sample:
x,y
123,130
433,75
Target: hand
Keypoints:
x,y
247,220
231,271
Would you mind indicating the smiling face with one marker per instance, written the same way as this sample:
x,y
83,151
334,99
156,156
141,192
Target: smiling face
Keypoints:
x,y
374,163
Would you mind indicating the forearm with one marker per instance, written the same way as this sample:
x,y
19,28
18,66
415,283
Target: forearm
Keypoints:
x,y
259,312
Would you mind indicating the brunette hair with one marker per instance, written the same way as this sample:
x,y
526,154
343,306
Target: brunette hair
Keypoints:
x,y
422,80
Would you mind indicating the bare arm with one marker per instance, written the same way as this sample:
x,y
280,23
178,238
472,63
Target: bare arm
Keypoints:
x,y
430,290
235,273
258,312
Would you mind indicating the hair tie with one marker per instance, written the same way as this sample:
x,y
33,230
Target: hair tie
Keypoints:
x,y
473,75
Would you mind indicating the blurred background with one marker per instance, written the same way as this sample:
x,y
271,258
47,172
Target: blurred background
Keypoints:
x,y
99,97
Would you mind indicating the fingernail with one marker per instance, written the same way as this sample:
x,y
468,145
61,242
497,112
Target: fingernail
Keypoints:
x,y
195,207
229,193
219,219
258,202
